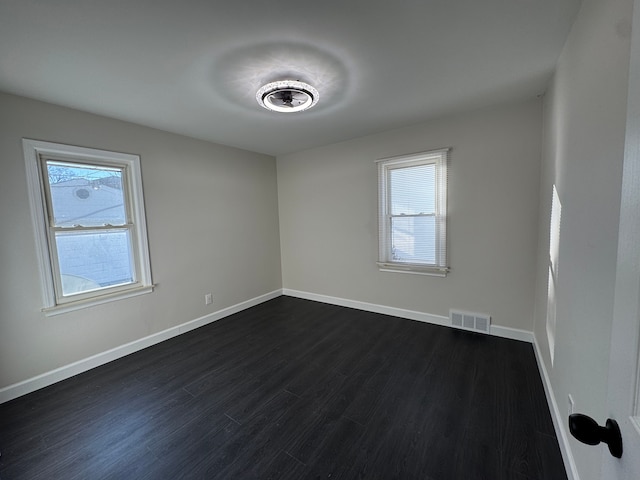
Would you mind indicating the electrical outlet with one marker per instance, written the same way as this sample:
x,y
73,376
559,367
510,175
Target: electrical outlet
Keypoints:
x,y
571,404
208,299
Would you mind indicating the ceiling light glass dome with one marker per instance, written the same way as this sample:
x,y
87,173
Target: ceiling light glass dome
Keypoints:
x,y
287,96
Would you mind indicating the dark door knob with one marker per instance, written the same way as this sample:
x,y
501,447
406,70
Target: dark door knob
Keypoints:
x,y
587,430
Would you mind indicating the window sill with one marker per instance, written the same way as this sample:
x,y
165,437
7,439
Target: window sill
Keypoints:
x,y
413,269
90,302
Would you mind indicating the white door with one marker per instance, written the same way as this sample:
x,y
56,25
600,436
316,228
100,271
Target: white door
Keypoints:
x,y
624,387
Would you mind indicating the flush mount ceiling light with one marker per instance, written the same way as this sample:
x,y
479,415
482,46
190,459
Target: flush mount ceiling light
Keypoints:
x,y
287,96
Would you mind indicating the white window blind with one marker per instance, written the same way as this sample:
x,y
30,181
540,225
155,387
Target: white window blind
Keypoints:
x,y
412,213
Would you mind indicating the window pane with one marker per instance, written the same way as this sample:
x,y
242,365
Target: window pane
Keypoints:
x,y
92,260
413,239
85,195
413,190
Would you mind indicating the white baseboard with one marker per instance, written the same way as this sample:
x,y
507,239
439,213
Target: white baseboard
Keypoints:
x,y
512,333
557,417
32,384
369,307
27,386
496,330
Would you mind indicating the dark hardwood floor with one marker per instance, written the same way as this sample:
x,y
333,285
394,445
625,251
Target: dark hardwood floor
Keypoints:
x,y
294,389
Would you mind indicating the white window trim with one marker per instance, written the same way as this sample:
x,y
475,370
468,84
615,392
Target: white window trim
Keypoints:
x,y
34,151
441,158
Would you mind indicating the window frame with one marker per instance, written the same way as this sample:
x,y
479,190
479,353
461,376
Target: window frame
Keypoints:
x,y
36,154
439,158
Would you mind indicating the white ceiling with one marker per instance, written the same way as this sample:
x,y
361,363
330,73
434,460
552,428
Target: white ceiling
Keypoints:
x,y
193,66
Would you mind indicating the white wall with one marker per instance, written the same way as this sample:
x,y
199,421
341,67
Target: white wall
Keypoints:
x,y
240,225
584,128
329,226
213,227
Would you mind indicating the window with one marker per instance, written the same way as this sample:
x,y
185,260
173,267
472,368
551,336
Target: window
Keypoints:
x,y
413,213
88,215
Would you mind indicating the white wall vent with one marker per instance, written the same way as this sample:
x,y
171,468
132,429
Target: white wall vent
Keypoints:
x,y
478,322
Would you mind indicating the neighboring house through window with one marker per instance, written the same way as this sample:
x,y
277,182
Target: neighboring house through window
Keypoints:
x,y
413,213
88,215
